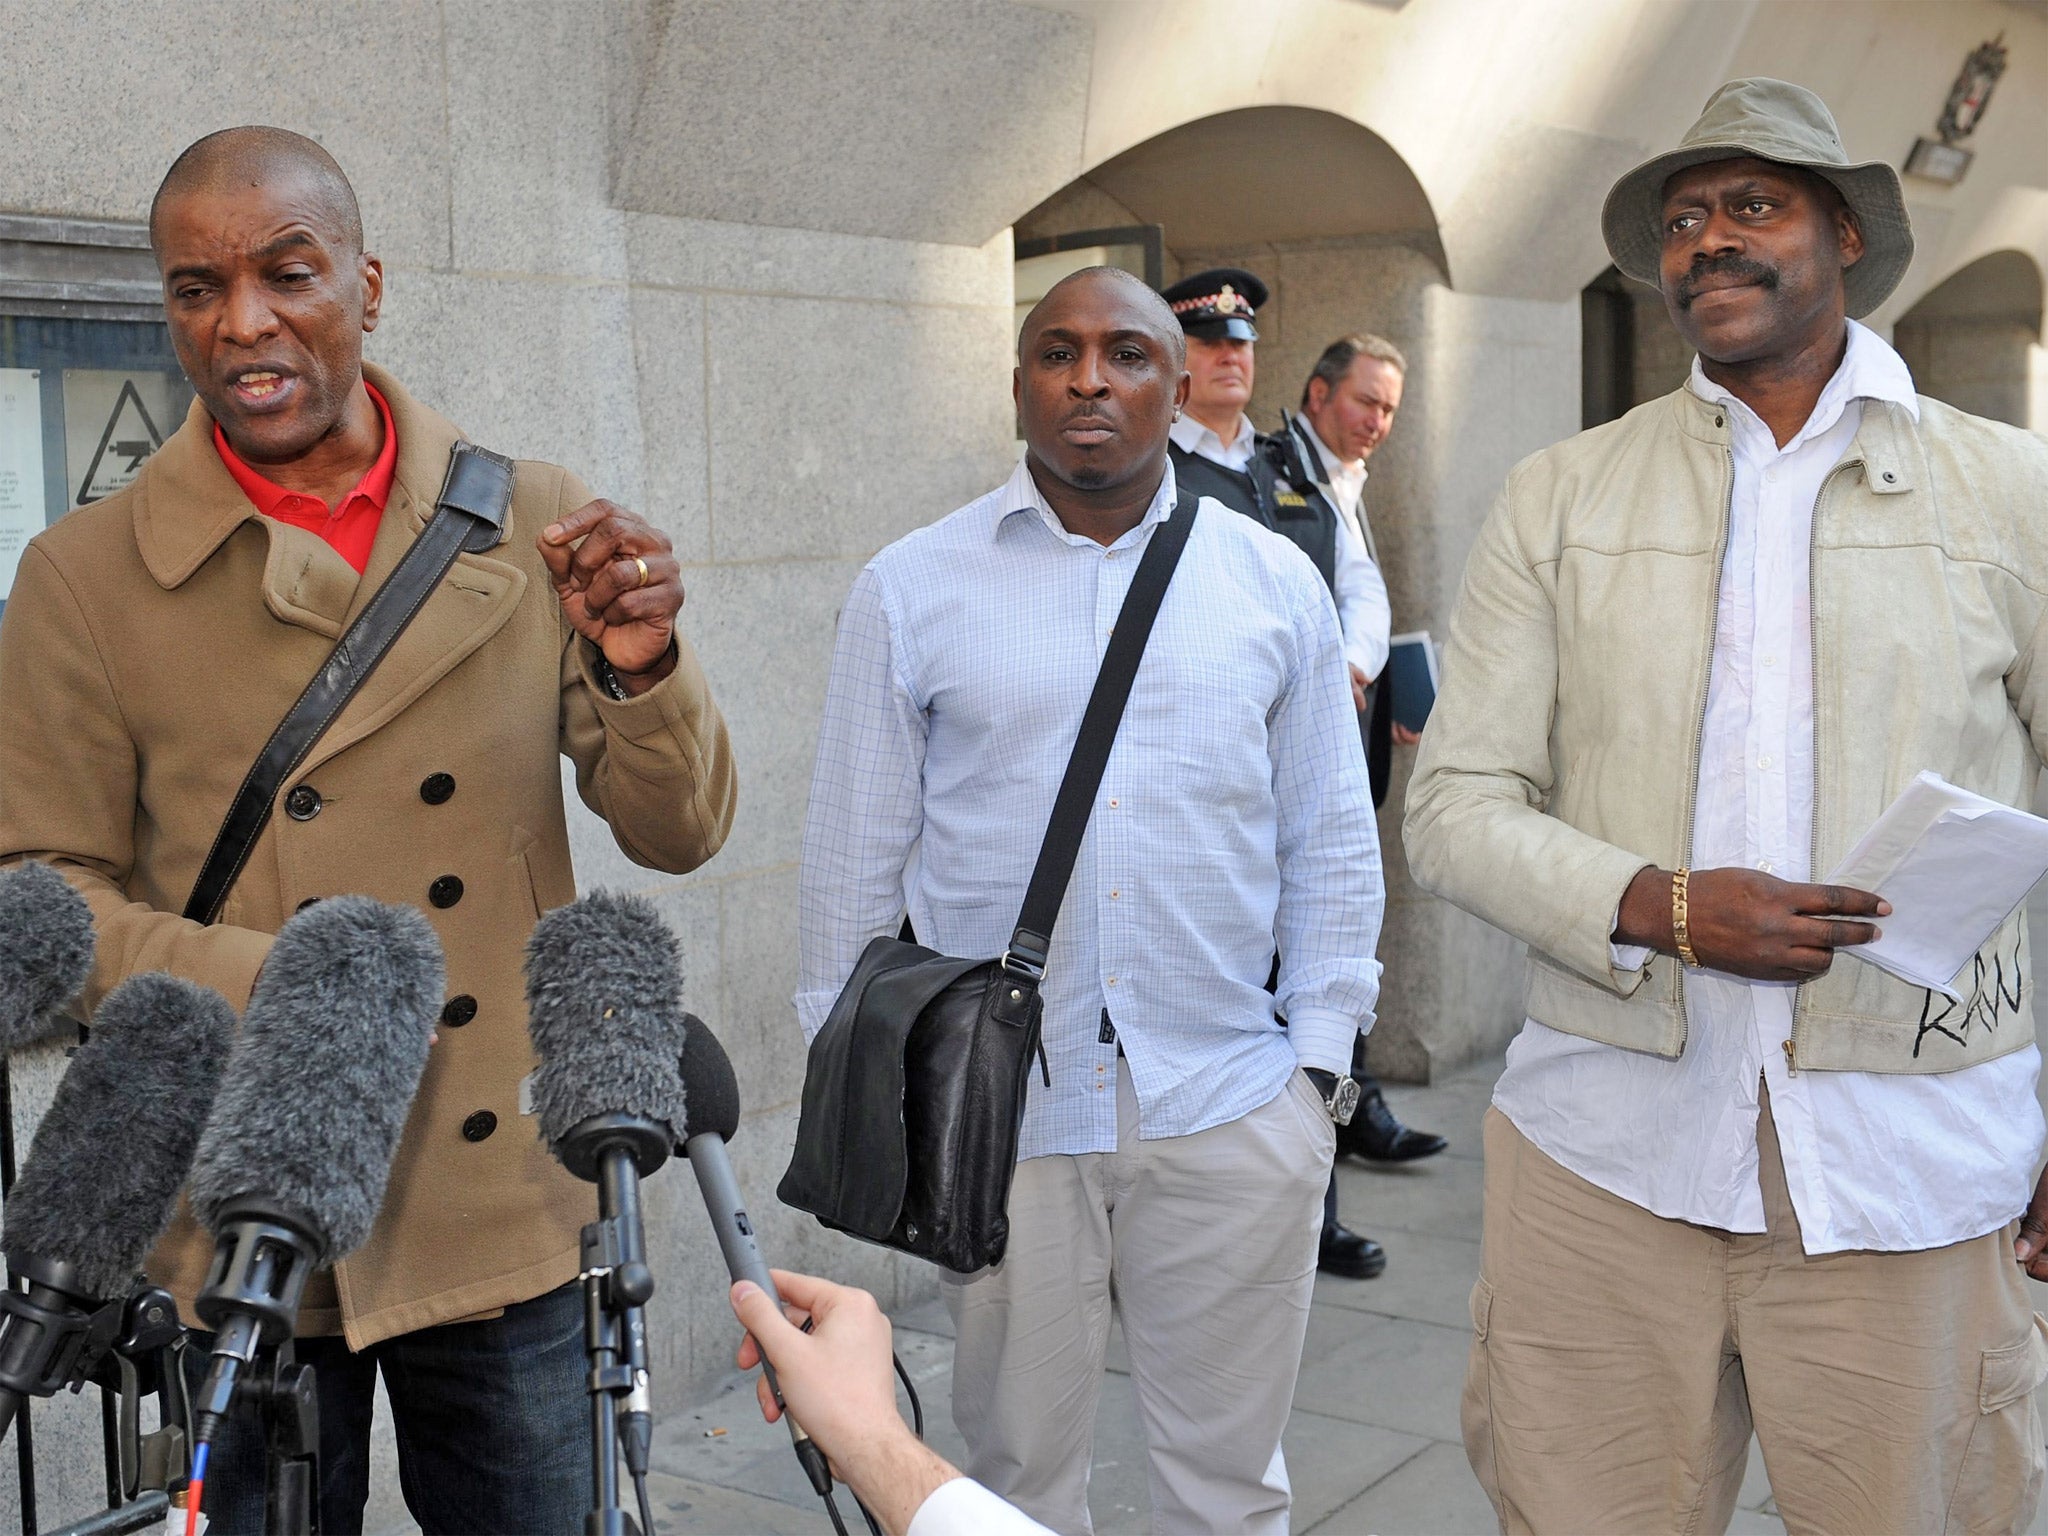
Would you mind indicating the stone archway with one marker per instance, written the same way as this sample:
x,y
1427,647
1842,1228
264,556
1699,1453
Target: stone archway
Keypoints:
x,y
1975,341
1319,206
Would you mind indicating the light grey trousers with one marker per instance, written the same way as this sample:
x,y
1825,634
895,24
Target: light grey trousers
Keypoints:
x,y
1206,1247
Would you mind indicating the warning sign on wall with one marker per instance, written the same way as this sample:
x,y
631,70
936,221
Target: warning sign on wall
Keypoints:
x,y
21,467
113,421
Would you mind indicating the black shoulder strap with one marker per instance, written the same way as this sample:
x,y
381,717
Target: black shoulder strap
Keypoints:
x,y
1105,711
1304,454
469,514
1265,485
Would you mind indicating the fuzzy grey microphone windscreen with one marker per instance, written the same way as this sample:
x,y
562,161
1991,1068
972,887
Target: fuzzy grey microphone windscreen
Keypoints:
x,y
103,1174
45,950
317,1092
604,1003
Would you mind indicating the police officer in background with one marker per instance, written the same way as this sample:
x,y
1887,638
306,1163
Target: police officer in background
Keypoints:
x,y
1217,453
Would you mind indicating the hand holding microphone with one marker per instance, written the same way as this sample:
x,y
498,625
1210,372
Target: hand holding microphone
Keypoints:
x,y
836,1371
624,1075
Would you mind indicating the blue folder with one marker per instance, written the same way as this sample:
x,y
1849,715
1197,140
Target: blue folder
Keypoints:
x,y
1412,679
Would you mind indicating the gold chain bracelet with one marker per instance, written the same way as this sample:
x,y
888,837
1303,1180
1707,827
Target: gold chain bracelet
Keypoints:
x,y
1679,931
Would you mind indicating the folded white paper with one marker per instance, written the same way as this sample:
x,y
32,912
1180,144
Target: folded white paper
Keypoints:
x,y
1953,865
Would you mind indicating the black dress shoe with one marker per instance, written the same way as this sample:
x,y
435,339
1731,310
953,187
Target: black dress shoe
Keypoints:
x,y
1374,1134
1347,1254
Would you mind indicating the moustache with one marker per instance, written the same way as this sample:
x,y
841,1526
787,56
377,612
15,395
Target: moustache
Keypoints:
x,y
1739,267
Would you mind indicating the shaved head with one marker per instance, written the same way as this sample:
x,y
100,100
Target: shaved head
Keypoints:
x,y
1132,286
268,294
254,157
1101,372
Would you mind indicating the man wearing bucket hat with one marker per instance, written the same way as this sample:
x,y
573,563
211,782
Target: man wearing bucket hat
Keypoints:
x,y
1737,1177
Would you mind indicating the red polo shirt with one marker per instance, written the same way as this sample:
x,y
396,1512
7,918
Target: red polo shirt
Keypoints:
x,y
351,527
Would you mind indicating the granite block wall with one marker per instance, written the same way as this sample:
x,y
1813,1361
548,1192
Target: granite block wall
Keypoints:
x,y
781,401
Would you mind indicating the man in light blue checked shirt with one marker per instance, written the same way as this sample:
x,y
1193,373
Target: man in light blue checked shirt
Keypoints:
x,y
1176,1166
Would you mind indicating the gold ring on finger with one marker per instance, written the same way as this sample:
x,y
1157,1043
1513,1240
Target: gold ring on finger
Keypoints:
x,y
641,562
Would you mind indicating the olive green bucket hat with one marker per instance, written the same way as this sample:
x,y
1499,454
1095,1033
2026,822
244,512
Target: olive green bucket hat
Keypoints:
x,y
1771,120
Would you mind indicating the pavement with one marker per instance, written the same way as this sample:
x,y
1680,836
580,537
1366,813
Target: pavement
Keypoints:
x,y
1373,1443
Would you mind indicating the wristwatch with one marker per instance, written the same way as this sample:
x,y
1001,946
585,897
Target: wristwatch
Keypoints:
x,y
1340,1094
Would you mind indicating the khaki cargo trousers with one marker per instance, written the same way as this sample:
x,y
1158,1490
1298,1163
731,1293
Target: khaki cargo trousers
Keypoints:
x,y
1622,1359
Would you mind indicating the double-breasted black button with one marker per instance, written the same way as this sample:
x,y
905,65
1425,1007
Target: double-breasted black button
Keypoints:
x,y
446,891
479,1125
437,788
458,1010
303,803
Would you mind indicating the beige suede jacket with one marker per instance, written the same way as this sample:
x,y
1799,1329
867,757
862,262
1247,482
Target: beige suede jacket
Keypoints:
x,y
1563,753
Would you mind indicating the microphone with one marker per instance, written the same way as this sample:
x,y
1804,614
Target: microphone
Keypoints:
x,y
102,1176
713,1094
604,996
46,950
604,1005
290,1173
620,1063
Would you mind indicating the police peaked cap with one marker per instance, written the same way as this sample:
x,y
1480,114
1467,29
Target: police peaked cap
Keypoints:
x,y
1217,303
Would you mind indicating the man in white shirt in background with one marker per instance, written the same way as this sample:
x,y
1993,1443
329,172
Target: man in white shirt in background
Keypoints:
x,y
1736,1176
1348,405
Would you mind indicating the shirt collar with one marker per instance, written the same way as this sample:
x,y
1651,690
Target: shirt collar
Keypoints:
x,y
268,497
1870,370
1337,469
1193,436
1020,494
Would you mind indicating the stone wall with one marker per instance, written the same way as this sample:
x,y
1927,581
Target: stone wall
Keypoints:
x,y
781,401
741,264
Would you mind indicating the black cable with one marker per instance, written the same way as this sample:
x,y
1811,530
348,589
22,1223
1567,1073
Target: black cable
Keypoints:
x,y
866,1514
916,1407
832,1509
646,1510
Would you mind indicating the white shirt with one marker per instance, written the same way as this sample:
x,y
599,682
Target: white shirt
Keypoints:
x,y
1369,623
1346,478
1234,816
1363,612
1192,436
963,1507
1903,1161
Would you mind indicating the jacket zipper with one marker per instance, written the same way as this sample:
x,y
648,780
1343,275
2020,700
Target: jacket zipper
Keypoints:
x,y
1699,724
1813,679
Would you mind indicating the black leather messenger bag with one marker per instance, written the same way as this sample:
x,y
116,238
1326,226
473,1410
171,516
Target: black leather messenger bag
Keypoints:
x,y
914,1090
469,514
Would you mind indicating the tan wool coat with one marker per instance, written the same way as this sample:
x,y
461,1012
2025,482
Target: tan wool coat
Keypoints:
x,y
151,643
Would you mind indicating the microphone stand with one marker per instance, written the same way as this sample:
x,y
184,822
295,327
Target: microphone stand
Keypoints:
x,y
251,1299
128,1346
615,1152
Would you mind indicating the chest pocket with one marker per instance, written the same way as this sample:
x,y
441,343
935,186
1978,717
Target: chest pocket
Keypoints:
x,y
1202,704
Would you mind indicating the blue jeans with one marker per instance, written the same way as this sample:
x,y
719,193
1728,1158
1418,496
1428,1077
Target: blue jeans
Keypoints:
x,y
491,1420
